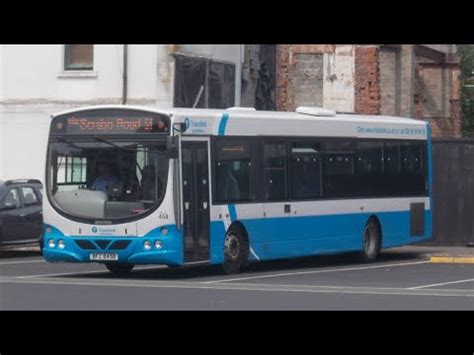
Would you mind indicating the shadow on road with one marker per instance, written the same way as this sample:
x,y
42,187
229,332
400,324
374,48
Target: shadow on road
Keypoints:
x,y
9,254
286,265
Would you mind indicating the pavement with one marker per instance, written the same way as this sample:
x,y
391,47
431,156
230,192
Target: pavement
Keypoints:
x,y
403,278
441,254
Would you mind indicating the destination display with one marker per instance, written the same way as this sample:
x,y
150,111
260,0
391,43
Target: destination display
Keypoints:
x,y
120,124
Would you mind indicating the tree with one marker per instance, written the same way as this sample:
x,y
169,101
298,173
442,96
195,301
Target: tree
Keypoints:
x,y
466,52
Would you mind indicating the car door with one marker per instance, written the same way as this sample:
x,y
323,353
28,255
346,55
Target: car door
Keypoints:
x,y
31,213
12,222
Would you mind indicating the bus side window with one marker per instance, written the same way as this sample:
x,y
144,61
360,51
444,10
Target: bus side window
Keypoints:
x,y
305,171
338,169
233,171
369,167
412,167
275,165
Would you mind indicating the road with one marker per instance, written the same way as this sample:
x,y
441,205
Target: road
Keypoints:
x,y
396,281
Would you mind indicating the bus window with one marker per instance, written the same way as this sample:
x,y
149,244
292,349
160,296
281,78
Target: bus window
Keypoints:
x,y
233,171
413,167
276,181
108,180
368,168
72,172
338,169
305,171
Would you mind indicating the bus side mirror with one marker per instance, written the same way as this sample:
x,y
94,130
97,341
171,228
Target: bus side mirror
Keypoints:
x,y
172,143
179,127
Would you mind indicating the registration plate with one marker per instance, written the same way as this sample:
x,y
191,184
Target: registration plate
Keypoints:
x,y
104,256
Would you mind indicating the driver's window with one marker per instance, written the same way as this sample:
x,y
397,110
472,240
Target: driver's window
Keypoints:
x,y
12,199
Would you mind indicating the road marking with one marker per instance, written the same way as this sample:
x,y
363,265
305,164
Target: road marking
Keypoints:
x,y
316,272
23,262
244,287
452,259
440,284
86,272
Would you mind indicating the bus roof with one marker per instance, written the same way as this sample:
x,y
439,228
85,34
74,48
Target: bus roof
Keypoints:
x,y
248,121
248,111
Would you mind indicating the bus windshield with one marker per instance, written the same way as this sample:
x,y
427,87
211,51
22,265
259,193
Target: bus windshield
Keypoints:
x,y
105,179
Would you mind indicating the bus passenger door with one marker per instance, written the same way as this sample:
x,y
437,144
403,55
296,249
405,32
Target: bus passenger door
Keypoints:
x,y
195,180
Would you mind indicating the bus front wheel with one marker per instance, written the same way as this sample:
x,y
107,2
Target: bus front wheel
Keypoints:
x,y
235,251
371,242
119,269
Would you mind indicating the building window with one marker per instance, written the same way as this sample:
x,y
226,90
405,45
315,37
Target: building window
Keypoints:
x,y
203,83
78,57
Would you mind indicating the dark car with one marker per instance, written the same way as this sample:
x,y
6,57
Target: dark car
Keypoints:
x,y
21,216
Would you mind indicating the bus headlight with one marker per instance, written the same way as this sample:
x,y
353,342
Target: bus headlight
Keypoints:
x,y
61,244
51,243
158,244
147,245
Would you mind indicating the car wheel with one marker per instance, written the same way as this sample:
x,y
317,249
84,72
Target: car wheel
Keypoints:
x,y
371,242
119,269
235,251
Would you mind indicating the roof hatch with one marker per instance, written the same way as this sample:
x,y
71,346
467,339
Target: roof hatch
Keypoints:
x,y
241,109
315,111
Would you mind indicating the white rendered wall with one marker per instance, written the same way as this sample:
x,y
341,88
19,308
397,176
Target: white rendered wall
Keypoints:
x,y
338,84
33,85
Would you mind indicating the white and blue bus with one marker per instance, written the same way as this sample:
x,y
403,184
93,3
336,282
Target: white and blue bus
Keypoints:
x,y
129,185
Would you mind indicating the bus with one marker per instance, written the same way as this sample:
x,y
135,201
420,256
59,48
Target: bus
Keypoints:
x,y
130,185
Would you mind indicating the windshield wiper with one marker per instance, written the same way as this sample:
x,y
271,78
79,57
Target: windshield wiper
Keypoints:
x,y
103,140
65,141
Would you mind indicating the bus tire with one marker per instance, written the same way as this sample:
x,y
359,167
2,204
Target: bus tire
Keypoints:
x,y
235,251
119,269
370,242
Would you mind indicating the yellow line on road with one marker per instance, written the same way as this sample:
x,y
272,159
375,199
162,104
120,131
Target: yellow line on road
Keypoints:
x,y
452,259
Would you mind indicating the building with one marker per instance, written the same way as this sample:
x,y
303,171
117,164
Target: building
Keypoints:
x,y
39,80
419,81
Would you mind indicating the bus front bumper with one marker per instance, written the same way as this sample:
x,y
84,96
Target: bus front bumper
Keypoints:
x,y
164,249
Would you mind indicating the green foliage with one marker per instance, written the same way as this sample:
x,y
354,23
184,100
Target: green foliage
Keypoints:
x,y
466,53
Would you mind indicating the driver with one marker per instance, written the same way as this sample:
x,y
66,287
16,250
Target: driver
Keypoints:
x,y
105,178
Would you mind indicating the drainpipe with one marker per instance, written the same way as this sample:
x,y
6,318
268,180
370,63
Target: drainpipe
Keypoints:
x,y
238,76
125,76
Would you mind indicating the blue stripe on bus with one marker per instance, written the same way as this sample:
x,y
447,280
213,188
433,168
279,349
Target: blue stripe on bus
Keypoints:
x,y
232,212
223,124
286,237
270,238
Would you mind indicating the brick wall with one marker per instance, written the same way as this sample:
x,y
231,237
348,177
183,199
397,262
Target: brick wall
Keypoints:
x,y
299,79
437,97
367,81
371,79
282,67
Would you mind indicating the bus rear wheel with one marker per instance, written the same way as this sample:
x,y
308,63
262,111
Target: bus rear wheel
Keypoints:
x,y
371,242
119,269
235,251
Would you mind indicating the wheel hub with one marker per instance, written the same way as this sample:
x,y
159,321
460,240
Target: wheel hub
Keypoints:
x,y
232,247
369,242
